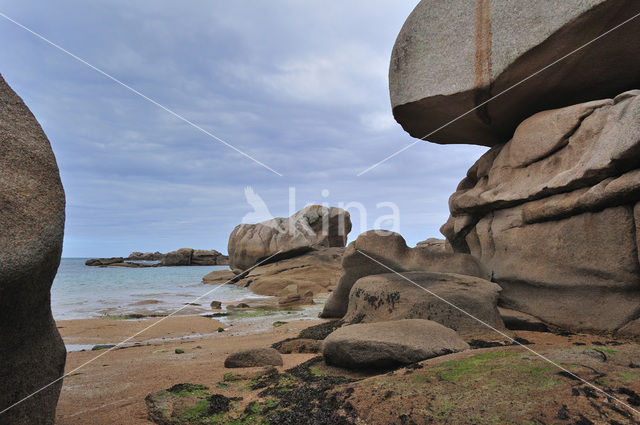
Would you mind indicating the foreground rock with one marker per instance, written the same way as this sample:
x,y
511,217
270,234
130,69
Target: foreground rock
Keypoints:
x,y
312,227
388,296
31,228
553,214
450,57
389,344
316,271
254,357
392,251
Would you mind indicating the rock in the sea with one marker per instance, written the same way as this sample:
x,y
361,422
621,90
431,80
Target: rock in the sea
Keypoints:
x,y
388,296
390,249
312,227
216,305
208,257
181,257
31,227
103,261
145,256
450,57
254,357
219,276
553,214
317,271
390,344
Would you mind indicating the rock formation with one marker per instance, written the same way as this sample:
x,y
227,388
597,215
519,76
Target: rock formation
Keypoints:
x,y
552,208
389,344
450,57
553,213
316,271
312,227
145,256
390,249
31,228
180,257
388,296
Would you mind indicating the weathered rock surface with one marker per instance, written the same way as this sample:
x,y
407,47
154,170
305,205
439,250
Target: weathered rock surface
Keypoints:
x,y
254,357
386,297
519,321
450,57
312,227
219,276
296,299
435,244
553,215
317,271
390,249
389,344
31,228
298,345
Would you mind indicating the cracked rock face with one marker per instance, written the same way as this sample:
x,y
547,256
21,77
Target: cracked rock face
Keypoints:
x,y
451,57
32,202
554,215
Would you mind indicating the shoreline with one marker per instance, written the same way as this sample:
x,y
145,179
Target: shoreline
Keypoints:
x,y
112,389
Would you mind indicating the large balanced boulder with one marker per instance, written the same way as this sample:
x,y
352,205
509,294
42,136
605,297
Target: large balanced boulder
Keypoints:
x,y
312,227
451,57
32,354
554,214
389,344
362,258
465,304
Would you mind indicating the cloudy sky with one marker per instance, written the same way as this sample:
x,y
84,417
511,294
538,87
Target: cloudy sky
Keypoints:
x,y
301,86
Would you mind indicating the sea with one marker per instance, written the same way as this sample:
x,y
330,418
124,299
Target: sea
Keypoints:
x,y
80,291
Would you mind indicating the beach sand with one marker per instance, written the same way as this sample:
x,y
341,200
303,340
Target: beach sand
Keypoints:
x,y
111,389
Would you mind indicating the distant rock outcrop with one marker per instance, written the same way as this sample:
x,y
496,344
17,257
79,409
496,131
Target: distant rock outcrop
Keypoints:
x,y
312,227
32,354
145,256
391,250
180,257
451,57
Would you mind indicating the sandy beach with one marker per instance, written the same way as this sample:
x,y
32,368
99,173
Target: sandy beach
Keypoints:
x,y
112,388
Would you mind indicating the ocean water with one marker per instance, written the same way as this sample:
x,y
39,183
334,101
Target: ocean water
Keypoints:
x,y
81,291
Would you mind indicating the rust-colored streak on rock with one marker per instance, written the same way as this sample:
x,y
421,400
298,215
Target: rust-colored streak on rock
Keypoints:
x,y
483,44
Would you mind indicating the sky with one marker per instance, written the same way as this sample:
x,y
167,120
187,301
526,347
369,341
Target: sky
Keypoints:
x,y
299,86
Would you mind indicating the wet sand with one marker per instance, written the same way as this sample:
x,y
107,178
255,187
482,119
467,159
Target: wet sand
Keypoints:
x,y
112,388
